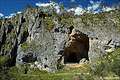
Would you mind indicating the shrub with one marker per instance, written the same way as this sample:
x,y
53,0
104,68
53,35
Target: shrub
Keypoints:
x,y
108,64
30,46
25,46
49,23
3,60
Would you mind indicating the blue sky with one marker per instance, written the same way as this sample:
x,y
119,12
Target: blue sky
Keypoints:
x,y
11,6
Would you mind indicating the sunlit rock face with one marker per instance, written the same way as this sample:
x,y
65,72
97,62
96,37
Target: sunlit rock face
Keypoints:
x,y
76,48
46,38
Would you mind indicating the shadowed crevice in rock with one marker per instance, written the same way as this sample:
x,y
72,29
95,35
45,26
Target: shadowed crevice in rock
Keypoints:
x,y
29,57
24,36
76,48
19,29
22,20
10,27
3,38
14,54
71,28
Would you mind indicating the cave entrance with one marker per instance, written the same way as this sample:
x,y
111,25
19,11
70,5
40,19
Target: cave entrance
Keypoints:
x,y
72,58
76,48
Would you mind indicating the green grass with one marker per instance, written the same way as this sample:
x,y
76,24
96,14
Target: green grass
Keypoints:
x,y
43,75
106,67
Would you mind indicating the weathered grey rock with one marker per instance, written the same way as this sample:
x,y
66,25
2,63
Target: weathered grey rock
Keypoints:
x,y
28,57
27,40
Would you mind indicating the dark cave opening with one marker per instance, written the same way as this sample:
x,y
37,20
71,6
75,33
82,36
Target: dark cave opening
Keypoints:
x,y
77,48
75,57
72,58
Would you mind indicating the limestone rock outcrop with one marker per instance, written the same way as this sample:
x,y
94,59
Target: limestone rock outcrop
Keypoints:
x,y
48,39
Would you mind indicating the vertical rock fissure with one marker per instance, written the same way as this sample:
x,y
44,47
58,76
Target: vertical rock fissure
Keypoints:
x,y
3,39
14,54
24,37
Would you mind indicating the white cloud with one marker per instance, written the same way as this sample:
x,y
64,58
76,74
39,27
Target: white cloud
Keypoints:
x,y
1,15
72,9
19,12
94,7
39,4
79,11
108,9
91,1
52,4
11,15
57,9
7,17
72,0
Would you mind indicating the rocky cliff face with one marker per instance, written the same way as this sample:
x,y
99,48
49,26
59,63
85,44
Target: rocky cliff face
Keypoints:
x,y
45,40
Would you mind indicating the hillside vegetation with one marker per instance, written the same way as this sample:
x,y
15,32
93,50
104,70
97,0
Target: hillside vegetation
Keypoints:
x,y
106,68
37,36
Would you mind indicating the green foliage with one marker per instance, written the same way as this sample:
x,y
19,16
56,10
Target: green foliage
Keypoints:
x,y
66,19
7,46
36,74
62,7
25,26
108,64
67,22
92,19
13,34
25,46
49,23
60,66
106,67
3,60
30,46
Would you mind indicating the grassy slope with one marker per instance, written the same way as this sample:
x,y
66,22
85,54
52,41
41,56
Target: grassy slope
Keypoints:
x,y
65,74
106,67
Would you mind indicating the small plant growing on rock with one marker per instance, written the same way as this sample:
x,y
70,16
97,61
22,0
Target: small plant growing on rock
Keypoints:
x,y
30,46
49,23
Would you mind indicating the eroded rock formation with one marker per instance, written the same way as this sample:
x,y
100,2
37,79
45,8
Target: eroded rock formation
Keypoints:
x,y
48,39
